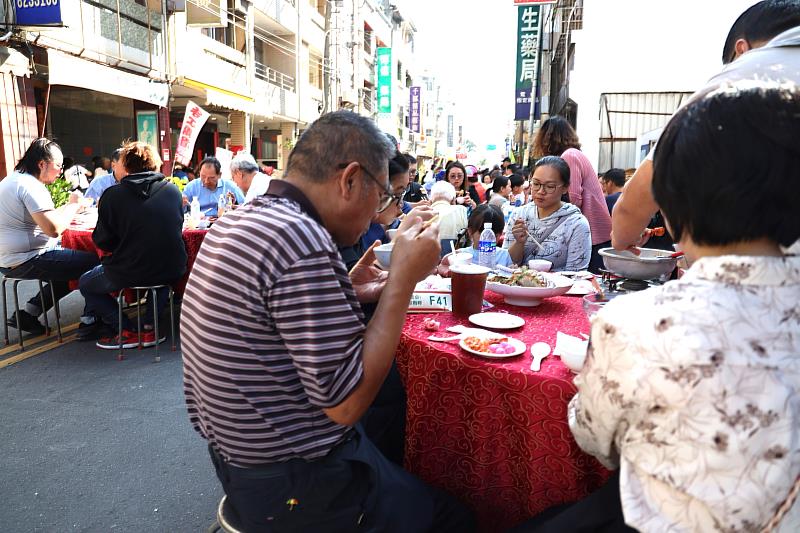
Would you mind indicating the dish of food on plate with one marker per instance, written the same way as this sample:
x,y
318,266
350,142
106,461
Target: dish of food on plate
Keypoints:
x,y
493,346
527,288
523,277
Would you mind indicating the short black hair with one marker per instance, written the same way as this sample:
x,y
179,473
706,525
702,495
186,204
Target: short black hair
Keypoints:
x,y
516,180
39,150
499,183
761,22
486,213
115,155
210,160
411,159
725,167
398,165
337,138
615,176
506,159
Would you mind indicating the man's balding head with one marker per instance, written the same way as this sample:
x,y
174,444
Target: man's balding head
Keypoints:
x,y
335,139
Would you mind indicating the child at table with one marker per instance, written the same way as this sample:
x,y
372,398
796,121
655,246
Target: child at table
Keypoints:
x,y
482,214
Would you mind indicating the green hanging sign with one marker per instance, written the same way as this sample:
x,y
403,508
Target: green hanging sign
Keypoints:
x,y
384,80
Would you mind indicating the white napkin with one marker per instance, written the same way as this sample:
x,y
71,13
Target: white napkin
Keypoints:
x,y
569,345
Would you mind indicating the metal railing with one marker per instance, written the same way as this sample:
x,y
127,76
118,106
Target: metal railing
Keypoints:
x,y
270,75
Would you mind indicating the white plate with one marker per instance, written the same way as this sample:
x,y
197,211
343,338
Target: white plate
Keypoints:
x,y
581,287
532,296
497,320
520,348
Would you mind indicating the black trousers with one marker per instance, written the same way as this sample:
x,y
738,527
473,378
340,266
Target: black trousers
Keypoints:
x,y
353,488
599,512
596,261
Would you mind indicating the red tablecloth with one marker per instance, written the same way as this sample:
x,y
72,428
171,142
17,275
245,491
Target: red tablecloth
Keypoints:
x,y
492,432
81,239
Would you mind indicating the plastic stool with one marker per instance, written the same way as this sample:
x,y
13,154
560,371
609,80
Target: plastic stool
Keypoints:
x,y
16,282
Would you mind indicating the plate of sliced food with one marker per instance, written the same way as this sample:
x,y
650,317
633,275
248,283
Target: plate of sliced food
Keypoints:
x,y
495,345
527,287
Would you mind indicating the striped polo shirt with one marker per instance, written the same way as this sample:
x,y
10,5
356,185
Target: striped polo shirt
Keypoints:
x,y
271,331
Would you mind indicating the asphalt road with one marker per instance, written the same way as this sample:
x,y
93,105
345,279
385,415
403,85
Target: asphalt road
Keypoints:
x,y
89,443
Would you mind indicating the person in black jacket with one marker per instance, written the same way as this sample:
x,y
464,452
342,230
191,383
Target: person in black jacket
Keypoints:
x,y
139,223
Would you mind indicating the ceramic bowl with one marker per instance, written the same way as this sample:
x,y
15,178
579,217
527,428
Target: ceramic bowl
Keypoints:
x,y
383,254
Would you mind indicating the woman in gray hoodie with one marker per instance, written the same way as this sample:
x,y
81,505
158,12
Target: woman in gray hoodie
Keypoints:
x,y
550,227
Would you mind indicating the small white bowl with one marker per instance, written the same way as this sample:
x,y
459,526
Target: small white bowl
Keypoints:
x,y
383,254
542,265
574,360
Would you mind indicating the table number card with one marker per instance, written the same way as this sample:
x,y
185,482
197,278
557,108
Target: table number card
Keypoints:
x,y
430,302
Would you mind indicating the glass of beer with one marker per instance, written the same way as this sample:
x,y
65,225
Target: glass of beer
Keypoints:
x,y
468,283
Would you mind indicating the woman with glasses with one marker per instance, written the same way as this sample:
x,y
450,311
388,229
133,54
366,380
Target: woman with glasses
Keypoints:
x,y
550,227
30,226
557,137
456,175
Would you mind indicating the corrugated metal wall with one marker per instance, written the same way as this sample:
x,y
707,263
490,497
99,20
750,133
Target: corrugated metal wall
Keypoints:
x,y
624,117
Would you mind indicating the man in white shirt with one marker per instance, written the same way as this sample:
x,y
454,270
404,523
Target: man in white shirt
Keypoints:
x,y
246,175
29,229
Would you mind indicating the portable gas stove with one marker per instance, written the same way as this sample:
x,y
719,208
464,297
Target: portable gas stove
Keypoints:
x,y
614,283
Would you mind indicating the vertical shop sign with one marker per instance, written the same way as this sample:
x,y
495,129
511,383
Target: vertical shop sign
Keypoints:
x,y
449,131
384,80
528,39
414,109
193,121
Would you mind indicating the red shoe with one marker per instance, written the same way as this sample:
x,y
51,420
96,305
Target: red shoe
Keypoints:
x,y
130,339
149,338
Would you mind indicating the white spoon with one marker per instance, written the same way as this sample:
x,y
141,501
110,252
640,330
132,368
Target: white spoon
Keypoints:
x,y
539,351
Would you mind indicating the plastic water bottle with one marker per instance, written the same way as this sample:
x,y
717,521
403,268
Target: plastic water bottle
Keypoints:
x,y
487,243
194,209
221,206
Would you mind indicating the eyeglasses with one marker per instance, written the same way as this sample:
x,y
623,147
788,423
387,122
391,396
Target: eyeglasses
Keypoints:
x,y
387,197
548,187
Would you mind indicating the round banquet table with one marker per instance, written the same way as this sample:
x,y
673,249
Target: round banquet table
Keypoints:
x,y
492,432
81,239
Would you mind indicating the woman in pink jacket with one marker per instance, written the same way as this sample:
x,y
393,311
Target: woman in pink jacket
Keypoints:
x,y
557,137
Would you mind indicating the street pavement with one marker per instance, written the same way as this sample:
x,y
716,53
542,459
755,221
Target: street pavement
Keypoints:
x,y
90,443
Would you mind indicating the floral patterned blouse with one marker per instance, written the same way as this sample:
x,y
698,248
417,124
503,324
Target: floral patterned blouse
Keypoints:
x,y
692,390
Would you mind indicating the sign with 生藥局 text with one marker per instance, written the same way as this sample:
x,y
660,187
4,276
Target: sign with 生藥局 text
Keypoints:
x,y
528,41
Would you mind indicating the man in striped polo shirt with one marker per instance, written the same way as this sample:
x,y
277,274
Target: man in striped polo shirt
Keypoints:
x,y
278,365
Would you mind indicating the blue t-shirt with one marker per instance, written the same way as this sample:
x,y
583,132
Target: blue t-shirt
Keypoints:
x,y
99,185
209,199
501,256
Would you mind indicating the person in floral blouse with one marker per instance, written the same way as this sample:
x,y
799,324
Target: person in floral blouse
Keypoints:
x,y
690,390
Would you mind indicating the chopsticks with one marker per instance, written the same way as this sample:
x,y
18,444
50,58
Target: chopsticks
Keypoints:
x,y
427,224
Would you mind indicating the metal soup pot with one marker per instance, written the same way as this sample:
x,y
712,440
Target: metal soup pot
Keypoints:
x,y
651,264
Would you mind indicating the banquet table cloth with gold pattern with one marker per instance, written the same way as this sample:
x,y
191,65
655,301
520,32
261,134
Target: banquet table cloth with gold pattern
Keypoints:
x,y
491,431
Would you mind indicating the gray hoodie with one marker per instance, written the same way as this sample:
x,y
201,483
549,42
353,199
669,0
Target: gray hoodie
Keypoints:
x,y
568,246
